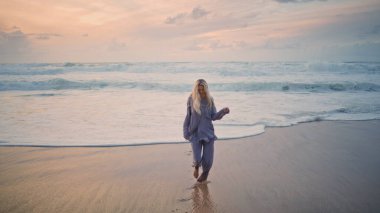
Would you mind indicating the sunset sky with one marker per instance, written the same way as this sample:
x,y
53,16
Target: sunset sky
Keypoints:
x,y
189,30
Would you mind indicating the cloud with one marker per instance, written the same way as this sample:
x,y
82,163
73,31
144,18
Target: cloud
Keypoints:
x,y
296,1
17,45
195,14
199,13
282,44
369,32
353,36
176,19
361,51
350,28
16,32
168,30
204,45
116,45
13,37
14,45
369,51
44,36
375,30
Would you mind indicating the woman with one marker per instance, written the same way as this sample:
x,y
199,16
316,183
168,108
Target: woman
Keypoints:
x,y
198,128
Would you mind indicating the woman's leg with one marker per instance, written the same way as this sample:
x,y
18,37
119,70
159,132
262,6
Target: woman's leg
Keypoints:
x,y
197,157
207,159
208,155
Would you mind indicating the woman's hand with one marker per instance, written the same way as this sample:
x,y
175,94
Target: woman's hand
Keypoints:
x,y
226,110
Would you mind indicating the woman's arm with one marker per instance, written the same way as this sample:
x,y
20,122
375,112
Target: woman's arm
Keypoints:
x,y
218,115
186,123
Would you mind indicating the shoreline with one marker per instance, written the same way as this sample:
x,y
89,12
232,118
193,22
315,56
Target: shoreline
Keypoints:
x,y
174,143
327,166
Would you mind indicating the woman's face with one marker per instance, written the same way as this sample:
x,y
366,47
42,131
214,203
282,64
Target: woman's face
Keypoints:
x,y
201,90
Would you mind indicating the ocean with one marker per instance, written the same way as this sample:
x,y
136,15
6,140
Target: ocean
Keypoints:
x,y
113,104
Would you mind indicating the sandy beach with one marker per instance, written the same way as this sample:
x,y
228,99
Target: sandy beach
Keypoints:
x,y
329,166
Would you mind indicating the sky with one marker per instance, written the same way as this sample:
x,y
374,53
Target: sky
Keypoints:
x,y
48,31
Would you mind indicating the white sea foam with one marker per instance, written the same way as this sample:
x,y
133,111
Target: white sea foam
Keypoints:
x,y
108,104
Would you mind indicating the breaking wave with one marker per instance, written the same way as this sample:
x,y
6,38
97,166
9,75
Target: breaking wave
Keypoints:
x,y
63,84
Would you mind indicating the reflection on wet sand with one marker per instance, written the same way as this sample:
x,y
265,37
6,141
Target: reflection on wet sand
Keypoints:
x,y
202,200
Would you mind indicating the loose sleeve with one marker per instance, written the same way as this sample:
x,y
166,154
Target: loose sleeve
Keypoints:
x,y
186,123
216,115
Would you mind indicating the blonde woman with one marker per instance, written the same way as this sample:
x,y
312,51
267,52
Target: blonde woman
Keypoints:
x,y
198,127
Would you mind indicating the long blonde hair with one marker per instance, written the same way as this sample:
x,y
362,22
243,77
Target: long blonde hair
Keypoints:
x,y
197,97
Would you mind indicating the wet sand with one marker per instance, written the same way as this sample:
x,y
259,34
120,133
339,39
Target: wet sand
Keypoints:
x,y
330,166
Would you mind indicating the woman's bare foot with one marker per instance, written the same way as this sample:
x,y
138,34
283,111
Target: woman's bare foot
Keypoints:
x,y
203,177
196,172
